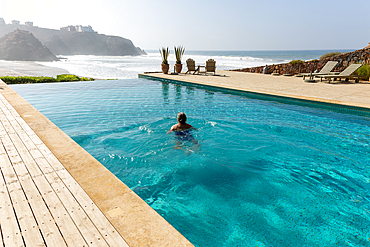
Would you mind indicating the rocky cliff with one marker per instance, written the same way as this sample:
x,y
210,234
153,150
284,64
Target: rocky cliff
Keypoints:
x,y
62,42
23,46
344,59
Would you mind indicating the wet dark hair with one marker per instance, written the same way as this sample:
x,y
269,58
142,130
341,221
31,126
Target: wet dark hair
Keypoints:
x,y
181,117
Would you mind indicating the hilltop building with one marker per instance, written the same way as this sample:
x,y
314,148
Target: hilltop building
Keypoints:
x,y
2,22
15,22
28,23
81,28
78,28
69,28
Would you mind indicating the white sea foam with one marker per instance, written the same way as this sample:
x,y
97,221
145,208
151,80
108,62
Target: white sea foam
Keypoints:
x,y
127,67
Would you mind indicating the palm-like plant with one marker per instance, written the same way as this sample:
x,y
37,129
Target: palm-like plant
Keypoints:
x,y
179,51
164,53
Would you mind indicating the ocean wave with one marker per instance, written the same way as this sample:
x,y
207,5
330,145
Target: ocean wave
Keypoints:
x,y
127,67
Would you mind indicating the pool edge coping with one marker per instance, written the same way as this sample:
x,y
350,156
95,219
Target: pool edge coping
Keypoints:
x,y
317,101
134,219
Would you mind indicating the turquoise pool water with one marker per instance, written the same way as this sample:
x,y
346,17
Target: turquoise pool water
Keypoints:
x,y
265,173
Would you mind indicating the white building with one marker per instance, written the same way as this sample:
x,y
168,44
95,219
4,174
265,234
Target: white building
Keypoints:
x,y
15,22
28,23
2,22
68,28
78,28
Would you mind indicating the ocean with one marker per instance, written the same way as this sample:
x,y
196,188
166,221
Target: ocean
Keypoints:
x,y
128,67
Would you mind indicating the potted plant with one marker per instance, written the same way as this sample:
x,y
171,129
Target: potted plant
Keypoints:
x,y
165,66
179,51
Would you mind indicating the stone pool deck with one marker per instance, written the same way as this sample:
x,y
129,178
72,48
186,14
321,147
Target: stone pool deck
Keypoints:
x,y
54,193
338,92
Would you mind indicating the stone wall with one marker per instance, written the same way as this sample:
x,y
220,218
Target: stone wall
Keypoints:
x,y
344,59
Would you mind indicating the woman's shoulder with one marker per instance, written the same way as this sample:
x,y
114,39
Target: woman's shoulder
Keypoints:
x,y
175,127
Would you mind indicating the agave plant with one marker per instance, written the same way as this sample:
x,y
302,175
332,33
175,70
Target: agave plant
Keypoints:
x,y
164,53
179,51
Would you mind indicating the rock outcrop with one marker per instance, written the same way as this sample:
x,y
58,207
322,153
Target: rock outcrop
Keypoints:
x,y
23,46
62,42
344,59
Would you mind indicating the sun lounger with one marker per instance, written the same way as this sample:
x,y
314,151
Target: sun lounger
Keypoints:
x,y
347,74
190,63
324,71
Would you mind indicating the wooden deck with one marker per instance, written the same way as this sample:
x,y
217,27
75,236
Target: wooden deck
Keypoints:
x,y
40,202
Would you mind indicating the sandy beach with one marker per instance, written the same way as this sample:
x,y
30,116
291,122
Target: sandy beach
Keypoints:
x,y
28,68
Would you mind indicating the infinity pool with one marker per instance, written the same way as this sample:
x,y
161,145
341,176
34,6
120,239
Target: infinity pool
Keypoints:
x,y
264,174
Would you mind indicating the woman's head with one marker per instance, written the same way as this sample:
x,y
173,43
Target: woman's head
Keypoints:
x,y
181,117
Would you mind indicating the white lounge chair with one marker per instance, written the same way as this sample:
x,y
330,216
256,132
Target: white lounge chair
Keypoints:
x,y
324,71
347,74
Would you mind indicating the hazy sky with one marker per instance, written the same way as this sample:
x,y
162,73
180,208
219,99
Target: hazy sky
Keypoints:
x,y
209,24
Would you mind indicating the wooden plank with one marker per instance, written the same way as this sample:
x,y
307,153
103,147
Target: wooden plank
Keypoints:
x,y
31,164
26,143
5,109
82,221
9,115
36,140
2,130
35,153
104,226
46,222
44,165
67,227
1,237
29,228
46,168
53,161
6,103
7,126
26,140
6,168
13,122
99,219
9,226
26,157
43,217
23,123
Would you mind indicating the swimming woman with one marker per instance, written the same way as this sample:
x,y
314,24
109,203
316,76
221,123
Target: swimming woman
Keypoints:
x,y
181,125
182,129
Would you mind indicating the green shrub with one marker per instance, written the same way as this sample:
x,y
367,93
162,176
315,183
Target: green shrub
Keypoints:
x,y
294,62
42,79
330,54
87,79
313,60
67,77
26,79
364,71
